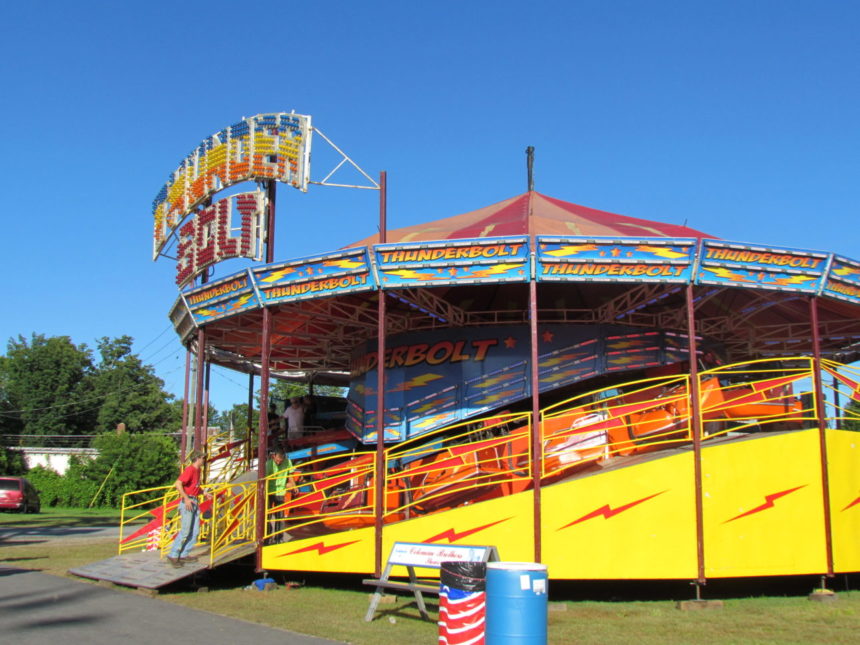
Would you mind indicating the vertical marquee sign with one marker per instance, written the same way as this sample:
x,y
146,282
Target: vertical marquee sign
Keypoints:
x,y
207,239
258,148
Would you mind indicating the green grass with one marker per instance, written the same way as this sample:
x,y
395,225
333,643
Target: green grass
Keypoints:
x,y
337,611
57,516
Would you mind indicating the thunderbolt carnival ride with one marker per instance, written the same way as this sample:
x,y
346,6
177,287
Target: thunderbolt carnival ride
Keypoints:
x,y
613,397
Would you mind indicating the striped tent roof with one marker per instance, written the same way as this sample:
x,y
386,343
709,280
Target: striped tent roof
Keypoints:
x,y
533,214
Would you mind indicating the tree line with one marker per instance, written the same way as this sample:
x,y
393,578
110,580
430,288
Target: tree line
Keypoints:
x,y
50,386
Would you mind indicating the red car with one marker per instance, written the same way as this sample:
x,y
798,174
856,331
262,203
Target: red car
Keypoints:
x,y
17,494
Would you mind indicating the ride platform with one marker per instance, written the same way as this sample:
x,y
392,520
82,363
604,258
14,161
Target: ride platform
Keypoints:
x,y
147,570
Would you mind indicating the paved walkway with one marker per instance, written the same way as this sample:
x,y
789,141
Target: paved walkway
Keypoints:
x,y
37,608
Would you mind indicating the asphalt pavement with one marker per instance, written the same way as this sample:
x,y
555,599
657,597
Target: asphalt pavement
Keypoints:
x,y
36,608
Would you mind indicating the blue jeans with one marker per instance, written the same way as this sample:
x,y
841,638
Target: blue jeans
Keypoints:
x,y
189,523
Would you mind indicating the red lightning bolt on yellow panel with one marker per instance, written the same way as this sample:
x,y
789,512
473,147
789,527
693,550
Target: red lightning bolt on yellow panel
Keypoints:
x,y
452,536
607,512
768,503
320,547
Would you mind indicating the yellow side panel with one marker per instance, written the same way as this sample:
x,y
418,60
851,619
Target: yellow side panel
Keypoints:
x,y
346,552
635,522
763,506
843,458
505,523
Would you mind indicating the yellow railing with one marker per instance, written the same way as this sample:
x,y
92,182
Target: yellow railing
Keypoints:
x,y
141,526
471,460
226,458
233,520
333,490
479,459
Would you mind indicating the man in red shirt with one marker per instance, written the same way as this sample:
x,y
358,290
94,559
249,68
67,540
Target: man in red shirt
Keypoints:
x,y
188,486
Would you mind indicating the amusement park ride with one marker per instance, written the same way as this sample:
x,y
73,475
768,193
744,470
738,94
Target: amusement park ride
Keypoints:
x,y
613,397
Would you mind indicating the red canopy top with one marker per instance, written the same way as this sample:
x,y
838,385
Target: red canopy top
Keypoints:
x,y
537,214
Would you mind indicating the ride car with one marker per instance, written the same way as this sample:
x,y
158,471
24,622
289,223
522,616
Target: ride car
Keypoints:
x,y
18,494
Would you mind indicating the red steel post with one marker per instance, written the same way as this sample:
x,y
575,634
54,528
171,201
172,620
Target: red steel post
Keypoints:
x,y
696,422
379,475
183,437
822,432
263,433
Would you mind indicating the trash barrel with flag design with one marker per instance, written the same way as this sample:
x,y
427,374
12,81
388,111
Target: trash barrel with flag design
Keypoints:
x,y
462,603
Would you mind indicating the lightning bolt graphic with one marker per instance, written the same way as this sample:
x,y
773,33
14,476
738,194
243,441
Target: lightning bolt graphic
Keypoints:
x,y
608,512
558,376
844,271
768,503
409,274
494,270
496,380
727,274
626,344
559,359
572,249
795,279
497,396
854,503
274,276
661,252
431,420
241,301
320,547
418,381
622,360
428,406
452,536
343,264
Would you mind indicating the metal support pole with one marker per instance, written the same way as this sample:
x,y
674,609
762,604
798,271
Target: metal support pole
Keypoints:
x,y
822,432
536,444
379,476
206,379
536,439
183,437
271,195
263,433
204,444
696,423
249,421
198,402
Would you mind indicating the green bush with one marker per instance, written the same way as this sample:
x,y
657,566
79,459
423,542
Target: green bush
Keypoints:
x,y
49,483
125,463
132,461
12,462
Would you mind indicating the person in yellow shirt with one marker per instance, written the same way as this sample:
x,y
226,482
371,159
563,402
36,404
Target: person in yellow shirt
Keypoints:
x,y
278,476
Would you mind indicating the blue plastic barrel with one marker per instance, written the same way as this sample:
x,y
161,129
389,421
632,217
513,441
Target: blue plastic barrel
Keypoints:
x,y
516,603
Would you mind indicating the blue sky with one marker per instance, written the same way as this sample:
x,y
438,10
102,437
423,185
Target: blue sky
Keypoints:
x,y
738,118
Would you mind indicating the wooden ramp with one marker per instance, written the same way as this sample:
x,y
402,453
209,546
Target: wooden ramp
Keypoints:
x,y
147,570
